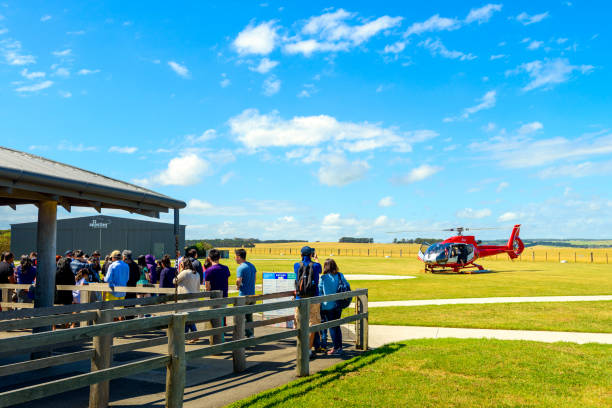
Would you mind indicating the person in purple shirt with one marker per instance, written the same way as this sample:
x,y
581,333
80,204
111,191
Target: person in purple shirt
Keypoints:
x,y
217,275
25,275
167,275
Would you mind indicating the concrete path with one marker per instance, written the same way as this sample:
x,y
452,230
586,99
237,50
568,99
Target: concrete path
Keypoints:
x,y
364,277
467,301
380,335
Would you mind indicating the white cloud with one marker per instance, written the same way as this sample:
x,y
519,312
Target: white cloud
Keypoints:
x,y
578,170
62,72
503,185
32,75
395,48
508,216
482,14
65,94
545,74
335,221
271,85
381,221
123,149
3,31
85,71
437,48
473,214
72,147
227,177
497,56
336,170
433,23
12,53
529,128
258,40
241,209
524,152
207,135
63,53
256,130
265,65
419,173
181,70
186,170
486,102
526,19
35,87
79,32
225,81
45,18
386,202
331,32
534,45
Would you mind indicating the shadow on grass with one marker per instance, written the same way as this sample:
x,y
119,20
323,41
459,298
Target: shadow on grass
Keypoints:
x,y
286,393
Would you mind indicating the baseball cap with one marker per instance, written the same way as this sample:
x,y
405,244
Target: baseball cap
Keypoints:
x,y
68,252
115,254
306,251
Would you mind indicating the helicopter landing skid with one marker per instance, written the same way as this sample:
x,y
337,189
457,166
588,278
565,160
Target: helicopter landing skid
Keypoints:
x,y
458,269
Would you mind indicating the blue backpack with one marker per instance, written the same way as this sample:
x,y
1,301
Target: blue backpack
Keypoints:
x,y
343,286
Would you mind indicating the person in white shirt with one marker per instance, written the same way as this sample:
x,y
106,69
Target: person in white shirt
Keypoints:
x,y
188,281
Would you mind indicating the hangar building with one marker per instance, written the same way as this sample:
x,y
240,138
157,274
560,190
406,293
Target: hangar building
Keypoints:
x,y
103,233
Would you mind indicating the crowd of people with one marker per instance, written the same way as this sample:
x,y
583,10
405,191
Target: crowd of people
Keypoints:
x,y
119,269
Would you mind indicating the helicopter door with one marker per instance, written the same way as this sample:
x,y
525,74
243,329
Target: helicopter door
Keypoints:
x,y
461,253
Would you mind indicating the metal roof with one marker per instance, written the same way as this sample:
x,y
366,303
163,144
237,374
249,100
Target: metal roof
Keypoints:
x,y
27,179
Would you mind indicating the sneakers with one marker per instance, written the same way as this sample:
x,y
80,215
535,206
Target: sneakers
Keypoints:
x,y
335,352
313,355
321,350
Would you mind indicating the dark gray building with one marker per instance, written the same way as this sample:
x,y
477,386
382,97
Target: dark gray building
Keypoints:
x,y
103,233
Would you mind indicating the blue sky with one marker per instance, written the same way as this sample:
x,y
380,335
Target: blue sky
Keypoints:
x,y
320,120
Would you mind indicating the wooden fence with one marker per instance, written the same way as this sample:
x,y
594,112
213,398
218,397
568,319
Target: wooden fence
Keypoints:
x,y
531,254
104,329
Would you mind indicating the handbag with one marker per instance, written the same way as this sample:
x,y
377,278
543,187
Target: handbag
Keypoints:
x,y
343,286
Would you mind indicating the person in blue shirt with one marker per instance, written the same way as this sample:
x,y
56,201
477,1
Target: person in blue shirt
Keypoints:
x,y
309,256
78,262
245,282
117,275
328,285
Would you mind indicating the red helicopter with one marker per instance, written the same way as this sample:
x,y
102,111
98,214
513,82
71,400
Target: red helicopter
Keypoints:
x,y
461,251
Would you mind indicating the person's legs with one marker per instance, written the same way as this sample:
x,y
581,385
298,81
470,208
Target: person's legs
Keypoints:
x,y
336,332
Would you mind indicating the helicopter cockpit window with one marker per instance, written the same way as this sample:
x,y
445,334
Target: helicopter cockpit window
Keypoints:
x,y
437,248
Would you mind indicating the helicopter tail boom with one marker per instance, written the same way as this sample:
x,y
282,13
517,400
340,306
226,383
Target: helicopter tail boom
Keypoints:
x,y
515,245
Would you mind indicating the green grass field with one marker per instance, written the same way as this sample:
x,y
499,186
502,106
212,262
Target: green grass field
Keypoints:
x,y
509,278
593,317
456,373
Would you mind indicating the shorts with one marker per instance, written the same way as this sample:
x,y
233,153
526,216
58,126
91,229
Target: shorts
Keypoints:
x,y
314,316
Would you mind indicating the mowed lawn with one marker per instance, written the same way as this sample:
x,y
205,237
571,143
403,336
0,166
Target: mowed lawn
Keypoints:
x,y
508,278
593,317
456,373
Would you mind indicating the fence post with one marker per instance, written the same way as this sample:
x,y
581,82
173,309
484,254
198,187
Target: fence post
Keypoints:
x,y
217,322
559,257
362,332
175,372
239,355
303,339
591,257
574,257
533,255
102,345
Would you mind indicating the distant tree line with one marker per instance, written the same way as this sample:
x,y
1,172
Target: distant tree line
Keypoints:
x,y
236,242
357,240
416,240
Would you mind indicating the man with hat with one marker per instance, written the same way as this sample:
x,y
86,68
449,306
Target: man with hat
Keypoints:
x,y
308,254
117,275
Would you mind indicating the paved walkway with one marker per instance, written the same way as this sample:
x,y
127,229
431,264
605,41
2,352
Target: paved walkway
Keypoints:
x,y
467,301
380,335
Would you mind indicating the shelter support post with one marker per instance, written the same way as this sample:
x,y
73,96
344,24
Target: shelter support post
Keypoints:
x,y
303,339
176,233
46,248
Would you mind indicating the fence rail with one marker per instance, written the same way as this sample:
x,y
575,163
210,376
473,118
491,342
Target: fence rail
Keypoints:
x,y
101,335
531,254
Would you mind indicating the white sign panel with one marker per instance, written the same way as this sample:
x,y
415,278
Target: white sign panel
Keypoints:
x,y
274,282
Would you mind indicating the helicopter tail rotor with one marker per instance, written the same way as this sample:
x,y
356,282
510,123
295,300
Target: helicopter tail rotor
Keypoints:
x,y
515,244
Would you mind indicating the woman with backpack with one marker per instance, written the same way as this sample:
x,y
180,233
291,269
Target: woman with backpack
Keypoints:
x,y
329,284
